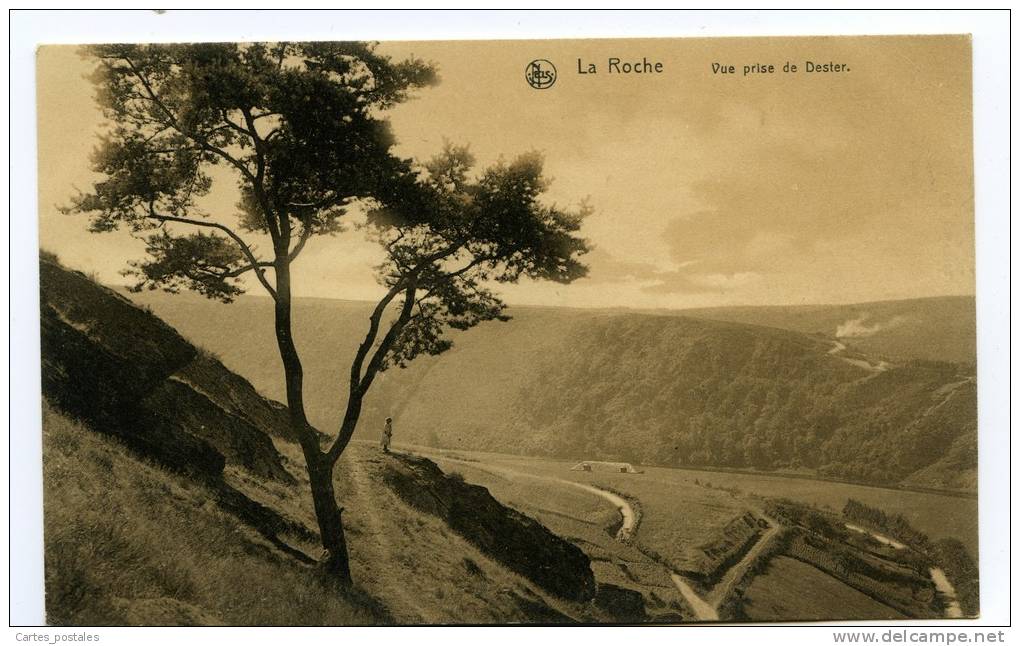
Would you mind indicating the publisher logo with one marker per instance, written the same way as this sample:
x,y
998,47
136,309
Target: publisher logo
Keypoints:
x,y
540,74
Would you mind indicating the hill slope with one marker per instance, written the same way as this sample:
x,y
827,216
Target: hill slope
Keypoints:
x,y
658,389
935,329
128,542
174,496
130,375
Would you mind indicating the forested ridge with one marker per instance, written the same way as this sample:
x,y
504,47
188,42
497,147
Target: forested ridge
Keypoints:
x,y
653,389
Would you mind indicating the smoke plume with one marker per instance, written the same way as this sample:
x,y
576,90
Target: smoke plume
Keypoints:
x,y
859,328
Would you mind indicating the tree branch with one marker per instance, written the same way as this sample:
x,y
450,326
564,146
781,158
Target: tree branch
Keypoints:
x,y
347,430
243,270
373,330
277,232
154,98
391,335
255,263
306,233
233,126
314,205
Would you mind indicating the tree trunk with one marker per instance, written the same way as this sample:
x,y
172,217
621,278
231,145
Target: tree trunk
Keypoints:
x,y
336,563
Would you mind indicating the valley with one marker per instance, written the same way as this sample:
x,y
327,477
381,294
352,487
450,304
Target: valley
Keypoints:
x,y
440,532
684,523
655,389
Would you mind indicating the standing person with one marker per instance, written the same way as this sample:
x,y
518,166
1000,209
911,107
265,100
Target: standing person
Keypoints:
x,y
387,435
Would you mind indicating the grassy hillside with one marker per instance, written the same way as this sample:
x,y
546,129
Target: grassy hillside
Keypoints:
x,y
173,495
935,329
655,389
779,593
131,543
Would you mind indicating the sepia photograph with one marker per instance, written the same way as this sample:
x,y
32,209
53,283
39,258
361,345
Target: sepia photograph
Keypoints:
x,y
614,331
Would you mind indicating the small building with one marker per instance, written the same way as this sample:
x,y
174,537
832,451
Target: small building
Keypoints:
x,y
593,465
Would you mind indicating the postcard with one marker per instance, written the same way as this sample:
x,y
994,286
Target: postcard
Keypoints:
x,y
621,331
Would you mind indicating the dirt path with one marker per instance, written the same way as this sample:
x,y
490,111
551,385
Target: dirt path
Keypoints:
x,y
621,504
942,584
406,608
885,540
837,349
629,517
938,577
703,610
706,607
726,583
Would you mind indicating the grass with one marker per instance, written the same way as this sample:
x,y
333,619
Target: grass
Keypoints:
x,y
679,518
939,516
678,522
128,542
686,513
420,570
791,590
589,522
897,585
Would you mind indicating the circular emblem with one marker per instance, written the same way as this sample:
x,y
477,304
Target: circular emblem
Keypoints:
x,y
540,74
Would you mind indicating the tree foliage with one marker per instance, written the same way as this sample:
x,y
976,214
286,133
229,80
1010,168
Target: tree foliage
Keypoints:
x,y
298,124
457,235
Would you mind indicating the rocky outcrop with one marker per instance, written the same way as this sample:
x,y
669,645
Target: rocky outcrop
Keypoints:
x,y
128,374
175,407
520,543
623,604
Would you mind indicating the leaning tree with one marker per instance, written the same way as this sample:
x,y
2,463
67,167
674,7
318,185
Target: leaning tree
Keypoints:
x,y
296,130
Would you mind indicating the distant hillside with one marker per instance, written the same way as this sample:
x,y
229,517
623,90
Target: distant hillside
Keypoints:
x,y
679,391
936,329
656,389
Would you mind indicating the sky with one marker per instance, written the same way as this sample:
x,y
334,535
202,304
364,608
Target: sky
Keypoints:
x,y
707,188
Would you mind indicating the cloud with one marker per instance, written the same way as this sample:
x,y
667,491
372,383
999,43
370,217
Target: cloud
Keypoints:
x,y
607,268
683,278
727,281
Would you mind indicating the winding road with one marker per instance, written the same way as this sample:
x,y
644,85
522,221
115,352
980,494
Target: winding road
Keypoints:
x,y
621,504
705,608
629,517
938,577
838,347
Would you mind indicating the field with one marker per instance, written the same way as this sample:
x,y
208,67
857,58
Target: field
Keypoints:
x,y
677,517
698,524
792,590
588,521
939,516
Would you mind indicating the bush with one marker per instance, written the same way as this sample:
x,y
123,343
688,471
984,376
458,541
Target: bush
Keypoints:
x,y
896,526
962,572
